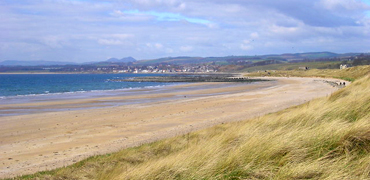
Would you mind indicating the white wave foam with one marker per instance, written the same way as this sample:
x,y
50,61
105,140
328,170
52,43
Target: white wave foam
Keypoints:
x,y
47,93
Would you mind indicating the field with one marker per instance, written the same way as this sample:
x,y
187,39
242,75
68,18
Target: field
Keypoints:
x,y
327,138
349,74
294,66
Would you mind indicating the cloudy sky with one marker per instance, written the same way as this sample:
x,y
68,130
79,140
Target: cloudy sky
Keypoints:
x,y
93,30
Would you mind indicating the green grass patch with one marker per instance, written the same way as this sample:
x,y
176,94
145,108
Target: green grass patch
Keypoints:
x,y
350,74
294,66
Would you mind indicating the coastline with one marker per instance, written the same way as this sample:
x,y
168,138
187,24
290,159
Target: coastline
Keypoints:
x,y
27,85
65,72
48,140
39,103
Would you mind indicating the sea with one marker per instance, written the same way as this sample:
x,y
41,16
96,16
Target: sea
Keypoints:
x,y
22,93
24,88
42,84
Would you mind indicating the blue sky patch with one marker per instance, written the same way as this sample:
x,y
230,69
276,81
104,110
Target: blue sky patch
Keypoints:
x,y
166,16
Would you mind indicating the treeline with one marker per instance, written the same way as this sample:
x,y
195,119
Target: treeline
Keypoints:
x,y
361,60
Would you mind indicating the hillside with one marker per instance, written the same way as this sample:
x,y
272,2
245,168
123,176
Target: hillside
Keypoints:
x,y
349,74
327,138
123,60
256,58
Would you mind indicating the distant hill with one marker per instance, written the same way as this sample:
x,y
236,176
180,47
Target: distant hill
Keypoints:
x,y
123,60
33,63
181,60
310,55
172,60
256,58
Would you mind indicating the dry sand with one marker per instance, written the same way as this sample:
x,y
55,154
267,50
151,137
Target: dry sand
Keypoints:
x,y
44,141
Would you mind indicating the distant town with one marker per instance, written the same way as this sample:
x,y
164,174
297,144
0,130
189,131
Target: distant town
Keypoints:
x,y
115,68
301,61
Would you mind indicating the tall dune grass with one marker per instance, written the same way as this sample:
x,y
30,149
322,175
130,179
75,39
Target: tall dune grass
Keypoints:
x,y
327,138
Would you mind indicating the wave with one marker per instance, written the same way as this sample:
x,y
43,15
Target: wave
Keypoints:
x,y
96,92
41,85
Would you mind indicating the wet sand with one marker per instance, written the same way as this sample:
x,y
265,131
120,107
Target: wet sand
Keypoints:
x,y
47,140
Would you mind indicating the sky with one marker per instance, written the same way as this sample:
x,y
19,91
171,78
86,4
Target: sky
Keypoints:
x,y
94,30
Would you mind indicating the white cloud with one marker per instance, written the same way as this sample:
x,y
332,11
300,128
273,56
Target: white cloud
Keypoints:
x,y
114,39
54,41
137,17
94,30
154,45
289,33
344,4
169,50
246,41
269,44
166,16
254,35
158,45
186,48
212,25
110,42
172,4
122,36
246,47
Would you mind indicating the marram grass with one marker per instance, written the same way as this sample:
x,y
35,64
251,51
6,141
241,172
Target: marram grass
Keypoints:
x,y
327,138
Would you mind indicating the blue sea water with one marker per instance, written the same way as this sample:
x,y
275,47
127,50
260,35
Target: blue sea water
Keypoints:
x,y
25,93
41,84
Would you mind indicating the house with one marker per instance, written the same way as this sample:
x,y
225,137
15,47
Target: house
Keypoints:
x,y
343,66
303,68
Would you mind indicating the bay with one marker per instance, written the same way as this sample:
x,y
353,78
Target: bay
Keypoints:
x,y
41,84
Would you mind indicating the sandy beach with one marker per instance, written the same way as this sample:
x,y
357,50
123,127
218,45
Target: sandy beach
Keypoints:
x,y
48,140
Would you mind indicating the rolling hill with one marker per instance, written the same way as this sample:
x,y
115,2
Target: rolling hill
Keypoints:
x,y
230,59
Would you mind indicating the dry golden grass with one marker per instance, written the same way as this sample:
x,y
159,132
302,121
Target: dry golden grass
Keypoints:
x,y
327,138
349,74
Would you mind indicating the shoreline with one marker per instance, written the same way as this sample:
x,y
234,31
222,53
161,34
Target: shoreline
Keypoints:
x,y
179,73
93,87
53,102
44,141
191,78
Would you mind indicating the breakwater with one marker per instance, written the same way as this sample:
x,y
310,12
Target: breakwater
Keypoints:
x,y
191,78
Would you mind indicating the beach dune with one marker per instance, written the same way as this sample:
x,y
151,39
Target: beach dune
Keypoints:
x,y
48,140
